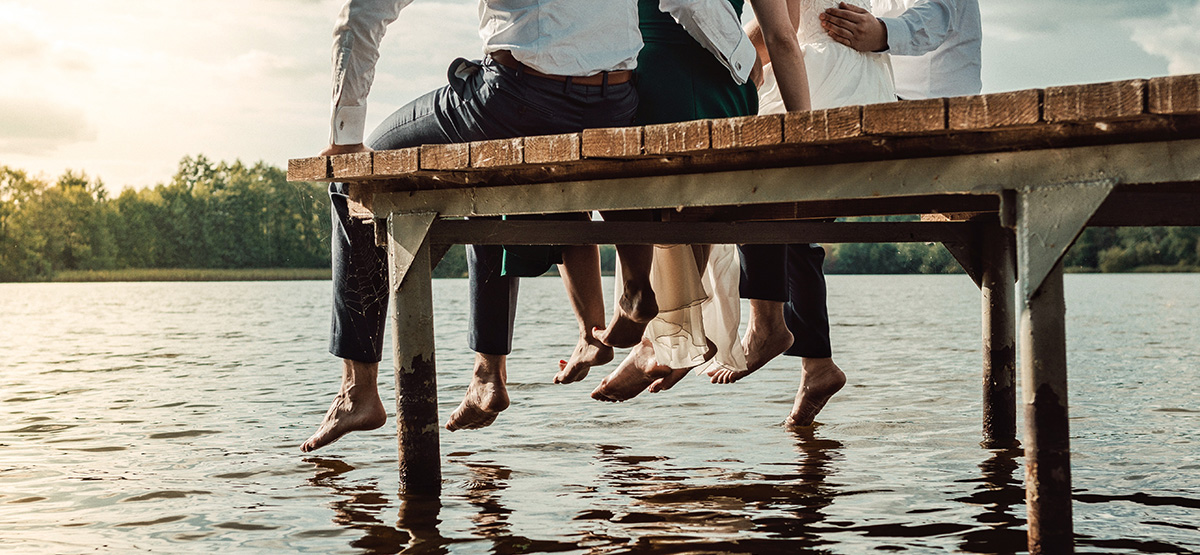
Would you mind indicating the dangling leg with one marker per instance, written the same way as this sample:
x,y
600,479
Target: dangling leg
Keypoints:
x,y
580,272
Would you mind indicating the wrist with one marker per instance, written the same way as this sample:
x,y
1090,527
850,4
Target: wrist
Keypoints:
x,y
882,45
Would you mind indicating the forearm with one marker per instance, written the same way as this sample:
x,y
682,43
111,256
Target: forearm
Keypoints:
x,y
356,37
790,73
922,28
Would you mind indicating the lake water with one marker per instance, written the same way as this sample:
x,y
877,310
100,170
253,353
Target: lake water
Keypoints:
x,y
167,417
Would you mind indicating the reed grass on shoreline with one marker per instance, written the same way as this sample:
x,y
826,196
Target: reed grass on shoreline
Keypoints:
x,y
193,274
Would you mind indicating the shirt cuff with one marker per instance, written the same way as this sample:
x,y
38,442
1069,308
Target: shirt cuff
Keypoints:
x,y
898,36
741,61
347,125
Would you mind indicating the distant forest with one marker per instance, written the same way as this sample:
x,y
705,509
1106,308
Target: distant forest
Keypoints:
x,y
237,216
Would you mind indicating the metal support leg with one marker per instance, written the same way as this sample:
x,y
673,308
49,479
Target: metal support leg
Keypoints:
x,y
997,285
413,349
1047,439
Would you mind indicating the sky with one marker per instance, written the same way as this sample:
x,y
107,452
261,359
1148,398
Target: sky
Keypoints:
x,y
123,89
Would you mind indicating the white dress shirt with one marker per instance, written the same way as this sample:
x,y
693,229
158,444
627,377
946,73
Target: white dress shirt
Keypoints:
x,y
935,46
557,37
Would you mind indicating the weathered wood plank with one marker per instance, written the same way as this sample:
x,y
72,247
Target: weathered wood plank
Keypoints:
x,y
308,169
612,142
1177,94
548,149
495,153
747,131
453,156
995,110
1095,101
348,166
889,206
516,232
822,125
906,116
684,136
396,162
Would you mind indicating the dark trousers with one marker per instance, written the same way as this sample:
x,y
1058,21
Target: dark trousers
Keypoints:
x,y
793,275
482,101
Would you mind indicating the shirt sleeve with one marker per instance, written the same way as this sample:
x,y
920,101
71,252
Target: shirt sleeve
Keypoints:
x,y
922,28
360,28
716,26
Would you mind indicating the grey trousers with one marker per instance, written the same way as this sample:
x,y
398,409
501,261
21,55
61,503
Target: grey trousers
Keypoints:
x,y
482,101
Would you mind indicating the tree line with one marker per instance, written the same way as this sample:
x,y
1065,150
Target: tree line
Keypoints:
x,y
209,215
219,215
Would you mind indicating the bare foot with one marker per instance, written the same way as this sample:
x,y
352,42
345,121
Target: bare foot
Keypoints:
x,y
350,412
669,381
589,352
634,375
634,312
820,380
485,398
766,337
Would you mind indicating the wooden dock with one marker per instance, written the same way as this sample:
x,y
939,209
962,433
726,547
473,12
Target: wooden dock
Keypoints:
x,y
1005,181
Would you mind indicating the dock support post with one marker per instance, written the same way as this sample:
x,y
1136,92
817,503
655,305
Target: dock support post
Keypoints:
x,y
413,351
1048,219
1047,437
997,286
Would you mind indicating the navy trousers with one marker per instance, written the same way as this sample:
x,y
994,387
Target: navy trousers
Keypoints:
x,y
793,275
482,101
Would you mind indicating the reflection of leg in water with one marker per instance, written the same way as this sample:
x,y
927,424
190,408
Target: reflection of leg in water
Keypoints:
x,y
357,406
358,508
487,481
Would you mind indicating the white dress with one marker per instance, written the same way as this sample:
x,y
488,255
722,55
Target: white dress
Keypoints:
x,y
837,74
694,306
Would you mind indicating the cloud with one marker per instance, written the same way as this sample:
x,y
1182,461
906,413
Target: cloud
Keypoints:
x,y
1175,37
35,126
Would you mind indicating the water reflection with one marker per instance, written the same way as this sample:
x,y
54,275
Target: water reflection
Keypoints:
x,y
491,521
1003,498
358,507
728,511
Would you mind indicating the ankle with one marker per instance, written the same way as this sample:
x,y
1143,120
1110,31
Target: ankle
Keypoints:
x,y
490,367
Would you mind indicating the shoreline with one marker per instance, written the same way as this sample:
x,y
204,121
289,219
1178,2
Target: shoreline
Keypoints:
x,y
324,274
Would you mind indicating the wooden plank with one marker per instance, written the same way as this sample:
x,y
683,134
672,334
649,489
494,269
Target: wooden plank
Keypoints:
x,y
1095,101
995,110
453,156
495,153
1177,94
684,136
922,174
612,142
747,131
308,169
348,166
389,163
518,232
1148,127
890,206
1148,208
822,125
547,149
906,116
